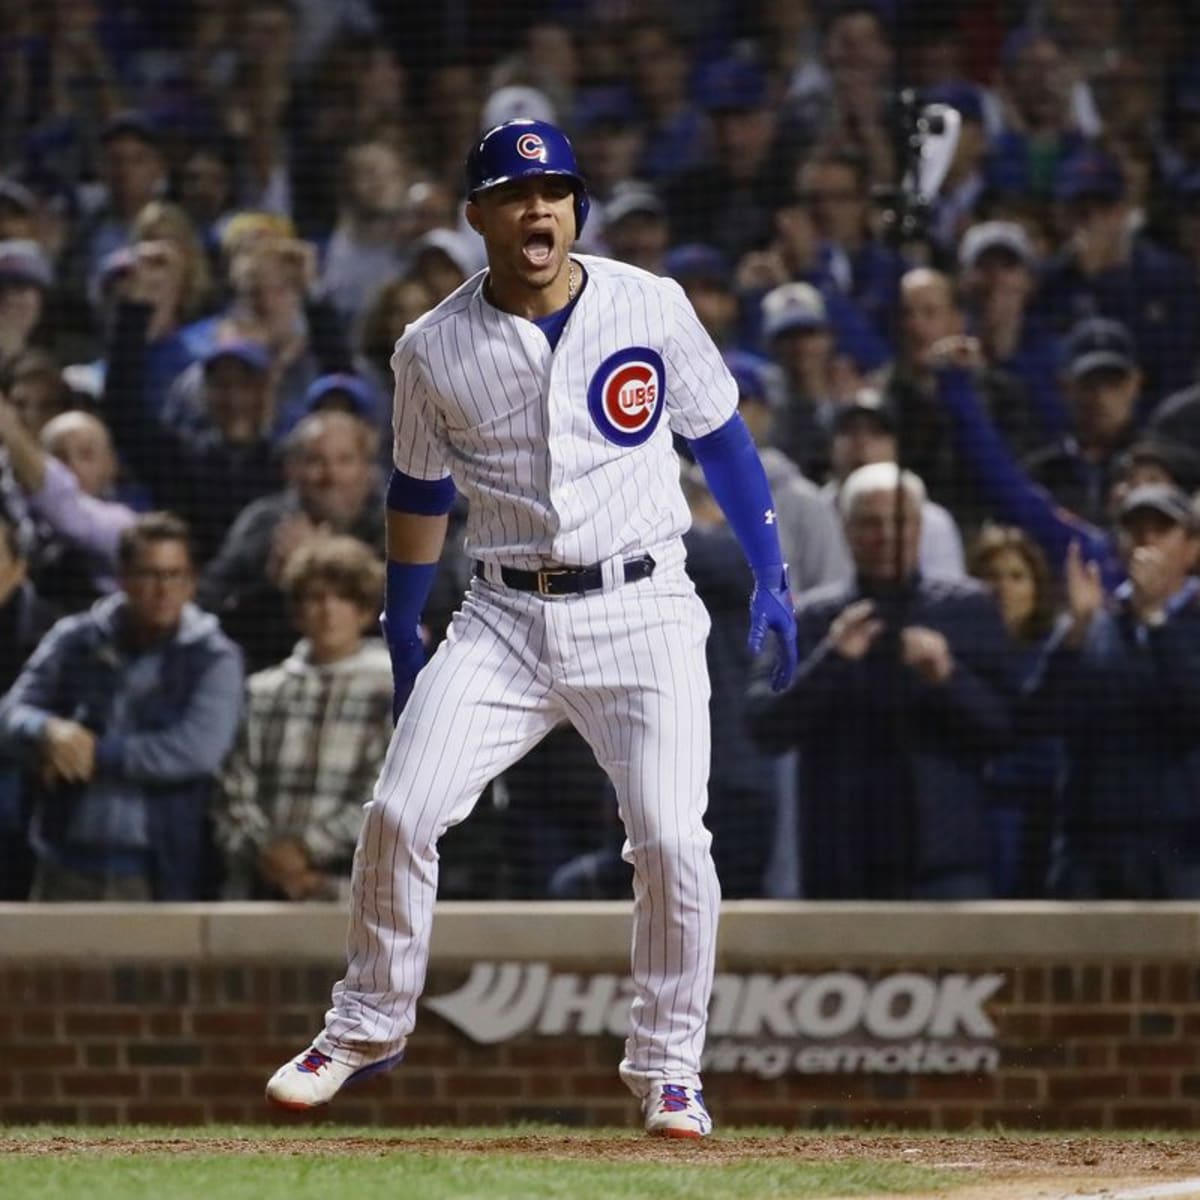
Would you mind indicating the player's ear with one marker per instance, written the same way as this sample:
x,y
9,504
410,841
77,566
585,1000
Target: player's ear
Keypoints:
x,y
472,213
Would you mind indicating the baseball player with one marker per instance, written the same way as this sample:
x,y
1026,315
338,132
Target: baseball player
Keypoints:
x,y
547,389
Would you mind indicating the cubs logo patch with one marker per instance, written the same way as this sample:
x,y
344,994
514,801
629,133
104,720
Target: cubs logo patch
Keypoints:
x,y
626,395
530,145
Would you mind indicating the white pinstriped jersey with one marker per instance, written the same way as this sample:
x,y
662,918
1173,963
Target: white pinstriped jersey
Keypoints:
x,y
565,456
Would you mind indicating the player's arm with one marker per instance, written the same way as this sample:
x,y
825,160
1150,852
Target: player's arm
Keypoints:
x,y
416,532
736,478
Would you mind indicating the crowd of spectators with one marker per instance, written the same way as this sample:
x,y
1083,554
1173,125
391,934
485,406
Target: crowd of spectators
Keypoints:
x,y
983,437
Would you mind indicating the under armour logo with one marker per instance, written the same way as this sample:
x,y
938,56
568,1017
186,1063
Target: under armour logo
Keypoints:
x,y
769,516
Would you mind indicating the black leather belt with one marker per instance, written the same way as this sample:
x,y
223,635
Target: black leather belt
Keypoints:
x,y
569,581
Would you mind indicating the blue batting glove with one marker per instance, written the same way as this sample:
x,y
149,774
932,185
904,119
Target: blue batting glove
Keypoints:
x,y
771,609
408,657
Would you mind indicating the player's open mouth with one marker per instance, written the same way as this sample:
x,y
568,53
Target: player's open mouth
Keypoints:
x,y
538,248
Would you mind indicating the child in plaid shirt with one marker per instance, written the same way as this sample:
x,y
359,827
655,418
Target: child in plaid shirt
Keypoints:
x,y
313,737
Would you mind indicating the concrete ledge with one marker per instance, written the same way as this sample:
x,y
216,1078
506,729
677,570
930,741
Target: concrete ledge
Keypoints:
x,y
754,933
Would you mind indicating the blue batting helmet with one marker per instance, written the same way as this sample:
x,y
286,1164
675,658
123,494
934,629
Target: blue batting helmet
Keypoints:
x,y
521,149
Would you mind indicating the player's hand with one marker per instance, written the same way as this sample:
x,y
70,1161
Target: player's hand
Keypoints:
x,y
928,654
408,657
771,609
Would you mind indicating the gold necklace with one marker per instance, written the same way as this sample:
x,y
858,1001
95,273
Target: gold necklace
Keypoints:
x,y
571,280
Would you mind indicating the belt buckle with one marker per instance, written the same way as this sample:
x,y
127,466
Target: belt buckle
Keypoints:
x,y
544,577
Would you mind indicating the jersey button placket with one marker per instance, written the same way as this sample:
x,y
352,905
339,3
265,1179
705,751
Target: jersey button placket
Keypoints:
x,y
562,458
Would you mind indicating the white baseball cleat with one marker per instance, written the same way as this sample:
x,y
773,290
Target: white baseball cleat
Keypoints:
x,y
675,1111
314,1078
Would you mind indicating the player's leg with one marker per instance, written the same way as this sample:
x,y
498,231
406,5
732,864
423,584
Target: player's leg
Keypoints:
x,y
648,725
479,705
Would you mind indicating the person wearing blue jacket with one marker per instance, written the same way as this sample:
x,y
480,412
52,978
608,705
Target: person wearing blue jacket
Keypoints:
x,y
1122,682
904,691
125,713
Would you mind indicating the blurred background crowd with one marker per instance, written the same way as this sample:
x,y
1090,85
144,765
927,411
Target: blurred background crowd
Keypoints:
x,y
215,220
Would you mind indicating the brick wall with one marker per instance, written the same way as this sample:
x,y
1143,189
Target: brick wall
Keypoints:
x,y
1096,1044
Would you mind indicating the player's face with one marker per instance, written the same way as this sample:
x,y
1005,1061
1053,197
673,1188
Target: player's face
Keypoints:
x,y
528,226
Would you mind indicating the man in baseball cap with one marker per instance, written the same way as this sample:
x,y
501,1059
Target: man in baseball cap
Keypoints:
x,y
1165,504
25,279
798,336
610,138
1007,239
1099,344
635,226
1108,269
18,210
998,281
1102,383
706,275
1127,672
23,263
728,197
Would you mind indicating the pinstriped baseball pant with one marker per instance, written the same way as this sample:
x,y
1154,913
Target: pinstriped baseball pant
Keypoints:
x,y
626,667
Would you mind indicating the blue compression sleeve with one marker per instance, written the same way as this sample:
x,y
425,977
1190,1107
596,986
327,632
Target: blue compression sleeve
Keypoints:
x,y
736,479
408,586
425,497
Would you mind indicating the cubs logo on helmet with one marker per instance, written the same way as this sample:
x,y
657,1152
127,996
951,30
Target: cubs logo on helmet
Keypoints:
x,y
529,145
627,394
521,149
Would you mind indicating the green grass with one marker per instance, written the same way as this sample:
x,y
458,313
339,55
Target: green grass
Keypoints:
x,y
393,1171
401,1176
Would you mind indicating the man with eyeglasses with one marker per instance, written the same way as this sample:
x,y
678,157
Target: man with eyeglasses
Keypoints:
x,y
122,716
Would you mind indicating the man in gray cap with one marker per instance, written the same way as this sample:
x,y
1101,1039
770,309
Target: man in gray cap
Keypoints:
x,y
636,230
799,337
1123,686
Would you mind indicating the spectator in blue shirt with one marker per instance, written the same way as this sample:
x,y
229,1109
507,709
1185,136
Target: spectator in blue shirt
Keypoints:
x,y
126,712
